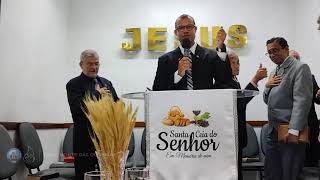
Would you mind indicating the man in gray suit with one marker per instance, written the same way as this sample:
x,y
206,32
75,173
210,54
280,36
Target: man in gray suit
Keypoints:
x,y
288,94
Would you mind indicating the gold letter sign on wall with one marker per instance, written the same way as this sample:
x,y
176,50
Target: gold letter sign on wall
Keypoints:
x,y
204,37
153,39
236,33
157,37
136,40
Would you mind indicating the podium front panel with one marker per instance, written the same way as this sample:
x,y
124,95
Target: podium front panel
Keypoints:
x,y
191,135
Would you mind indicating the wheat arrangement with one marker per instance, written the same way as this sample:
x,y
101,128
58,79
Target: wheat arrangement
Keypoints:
x,y
112,124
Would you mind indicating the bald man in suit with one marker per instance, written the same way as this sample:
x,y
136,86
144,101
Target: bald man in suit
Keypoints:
x,y
206,64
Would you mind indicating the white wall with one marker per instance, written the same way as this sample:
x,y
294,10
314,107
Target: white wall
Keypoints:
x,y
101,25
41,40
40,43
308,36
33,53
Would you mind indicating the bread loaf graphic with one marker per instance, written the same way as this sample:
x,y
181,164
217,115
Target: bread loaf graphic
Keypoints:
x,y
176,117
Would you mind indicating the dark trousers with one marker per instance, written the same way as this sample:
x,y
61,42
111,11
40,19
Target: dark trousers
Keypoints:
x,y
240,164
313,149
84,162
282,161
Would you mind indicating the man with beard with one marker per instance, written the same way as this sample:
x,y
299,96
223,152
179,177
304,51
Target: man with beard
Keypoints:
x,y
191,66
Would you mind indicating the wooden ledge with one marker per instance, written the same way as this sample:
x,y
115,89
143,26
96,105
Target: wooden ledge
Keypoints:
x,y
139,124
14,125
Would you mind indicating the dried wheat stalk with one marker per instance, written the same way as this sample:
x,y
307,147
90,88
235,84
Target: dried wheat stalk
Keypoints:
x,y
112,124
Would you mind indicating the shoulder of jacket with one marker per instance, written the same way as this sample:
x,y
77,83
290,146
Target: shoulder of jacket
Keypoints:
x,y
300,64
169,54
74,80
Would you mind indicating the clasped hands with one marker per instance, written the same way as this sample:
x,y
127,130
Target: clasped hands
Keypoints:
x,y
103,90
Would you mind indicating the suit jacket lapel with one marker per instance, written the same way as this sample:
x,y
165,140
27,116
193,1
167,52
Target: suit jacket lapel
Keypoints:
x,y
177,54
285,65
200,53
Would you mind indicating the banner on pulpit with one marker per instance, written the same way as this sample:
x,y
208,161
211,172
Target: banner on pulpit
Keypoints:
x,y
191,135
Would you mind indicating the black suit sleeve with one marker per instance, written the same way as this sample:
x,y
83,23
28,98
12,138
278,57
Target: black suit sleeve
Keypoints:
x,y
161,79
223,74
164,79
315,89
249,87
75,98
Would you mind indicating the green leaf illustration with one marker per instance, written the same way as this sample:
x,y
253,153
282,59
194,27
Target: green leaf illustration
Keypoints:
x,y
205,116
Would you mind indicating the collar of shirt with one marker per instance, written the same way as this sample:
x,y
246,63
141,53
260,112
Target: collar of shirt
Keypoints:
x,y
284,62
87,77
192,49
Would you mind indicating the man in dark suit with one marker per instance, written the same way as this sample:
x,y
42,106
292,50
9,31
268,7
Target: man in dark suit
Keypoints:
x,y
261,73
201,68
77,88
203,64
288,94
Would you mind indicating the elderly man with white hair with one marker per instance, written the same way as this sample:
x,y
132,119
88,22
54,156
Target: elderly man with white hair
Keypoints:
x,y
261,73
87,82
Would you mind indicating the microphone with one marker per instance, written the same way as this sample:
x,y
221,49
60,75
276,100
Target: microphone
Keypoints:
x,y
186,44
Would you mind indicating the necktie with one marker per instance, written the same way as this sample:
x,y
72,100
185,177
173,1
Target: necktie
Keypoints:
x,y
187,53
96,82
277,70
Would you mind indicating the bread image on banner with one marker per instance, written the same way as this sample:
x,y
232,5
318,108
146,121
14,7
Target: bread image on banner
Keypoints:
x,y
177,118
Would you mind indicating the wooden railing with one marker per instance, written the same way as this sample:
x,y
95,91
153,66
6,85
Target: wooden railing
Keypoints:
x,y
139,124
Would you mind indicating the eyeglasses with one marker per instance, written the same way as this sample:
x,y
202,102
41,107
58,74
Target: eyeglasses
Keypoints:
x,y
187,27
273,51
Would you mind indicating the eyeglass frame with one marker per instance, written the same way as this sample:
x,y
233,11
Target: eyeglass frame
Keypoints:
x,y
273,51
188,27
